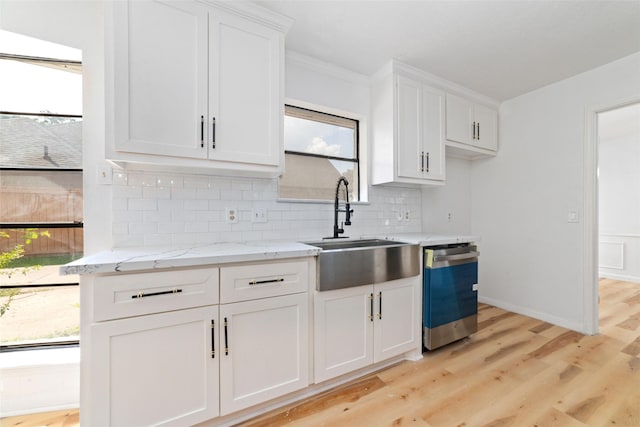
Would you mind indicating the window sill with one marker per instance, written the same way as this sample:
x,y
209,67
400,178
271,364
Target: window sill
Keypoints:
x,y
39,380
39,357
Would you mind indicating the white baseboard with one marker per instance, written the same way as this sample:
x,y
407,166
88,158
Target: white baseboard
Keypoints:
x,y
621,277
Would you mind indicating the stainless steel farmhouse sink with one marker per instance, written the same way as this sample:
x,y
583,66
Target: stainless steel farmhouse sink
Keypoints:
x,y
349,263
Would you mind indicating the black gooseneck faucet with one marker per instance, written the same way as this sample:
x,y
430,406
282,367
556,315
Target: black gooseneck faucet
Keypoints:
x,y
347,208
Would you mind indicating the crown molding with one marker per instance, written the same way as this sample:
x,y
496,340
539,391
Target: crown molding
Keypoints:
x,y
296,58
255,13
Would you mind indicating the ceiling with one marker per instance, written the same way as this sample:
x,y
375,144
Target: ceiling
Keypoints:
x,y
501,49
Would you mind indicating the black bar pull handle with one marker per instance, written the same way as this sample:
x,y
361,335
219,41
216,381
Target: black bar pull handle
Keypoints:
x,y
478,131
371,306
213,339
226,337
153,294
202,131
422,162
427,162
213,130
380,306
261,282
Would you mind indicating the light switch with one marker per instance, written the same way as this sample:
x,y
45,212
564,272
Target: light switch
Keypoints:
x,y
104,175
573,217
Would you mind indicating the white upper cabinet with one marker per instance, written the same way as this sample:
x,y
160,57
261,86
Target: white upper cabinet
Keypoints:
x,y
160,72
420,131
196,85
471,124
244,91
408,131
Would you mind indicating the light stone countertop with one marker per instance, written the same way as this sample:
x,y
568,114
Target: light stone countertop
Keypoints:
x,y
430,239
150,258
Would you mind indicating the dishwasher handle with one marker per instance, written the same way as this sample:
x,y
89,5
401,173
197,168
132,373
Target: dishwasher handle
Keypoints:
x,y
456,257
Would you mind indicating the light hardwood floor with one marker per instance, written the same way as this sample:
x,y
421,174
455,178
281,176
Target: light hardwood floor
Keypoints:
x,y
516,371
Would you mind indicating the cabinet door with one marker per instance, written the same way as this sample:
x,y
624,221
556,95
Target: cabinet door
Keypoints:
x,y
409,128
398,319
433,124
265,350
245,91
487,132
155,370
160,78
343,331
459,119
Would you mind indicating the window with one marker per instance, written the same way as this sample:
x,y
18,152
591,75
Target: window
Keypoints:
x,y
319,148
40,191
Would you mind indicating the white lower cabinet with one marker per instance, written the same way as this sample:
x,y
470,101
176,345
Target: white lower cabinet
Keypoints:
x,y
358,326
264,351
148,358
155,370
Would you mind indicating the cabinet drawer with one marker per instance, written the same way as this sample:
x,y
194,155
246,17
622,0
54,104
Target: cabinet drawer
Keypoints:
x,y
252,281
126,295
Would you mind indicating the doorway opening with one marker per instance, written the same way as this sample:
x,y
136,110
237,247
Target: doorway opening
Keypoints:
x,y
611,200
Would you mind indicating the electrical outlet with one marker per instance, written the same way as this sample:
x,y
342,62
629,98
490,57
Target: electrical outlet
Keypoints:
x,y
259,215
449,217
232,215
407,215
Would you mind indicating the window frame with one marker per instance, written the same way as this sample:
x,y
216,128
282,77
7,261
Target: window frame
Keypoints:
x,y
30,345
319,111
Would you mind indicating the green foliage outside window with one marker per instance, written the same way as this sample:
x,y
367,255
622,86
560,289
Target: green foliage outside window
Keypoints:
x,y
11,255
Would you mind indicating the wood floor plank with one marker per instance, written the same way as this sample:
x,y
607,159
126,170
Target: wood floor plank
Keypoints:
x,y
633,349
599,396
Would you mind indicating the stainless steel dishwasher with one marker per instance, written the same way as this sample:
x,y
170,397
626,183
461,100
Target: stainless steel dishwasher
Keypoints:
x,y
450,305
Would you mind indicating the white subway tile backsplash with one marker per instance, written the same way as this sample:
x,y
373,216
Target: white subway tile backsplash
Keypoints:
x,y
142,205
196,205
169,181
119,178
207,194
141,180
123,192
196,227
159,208
196,182
156,193
183,193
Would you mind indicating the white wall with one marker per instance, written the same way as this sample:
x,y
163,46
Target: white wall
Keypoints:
x,y
452,198
532,258
619,193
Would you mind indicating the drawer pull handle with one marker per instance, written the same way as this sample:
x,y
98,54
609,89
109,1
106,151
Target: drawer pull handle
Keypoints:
x,y
153,294
262,282
213,131
202,131
226,337
213,339
380,306
371,307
